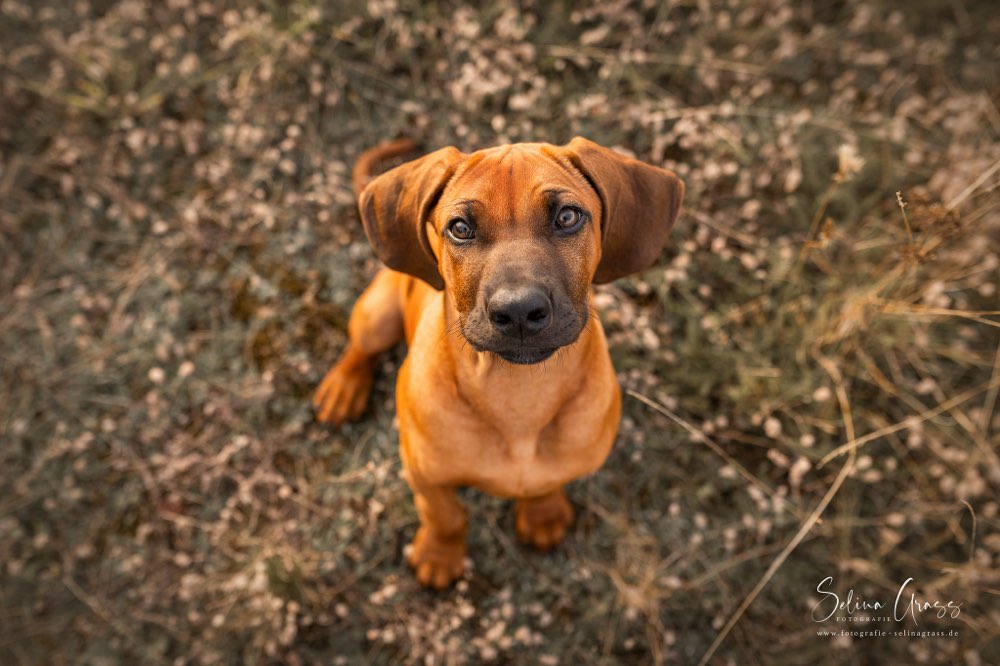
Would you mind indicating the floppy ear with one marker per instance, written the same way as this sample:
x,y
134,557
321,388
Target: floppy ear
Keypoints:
x,y
396,206
639,202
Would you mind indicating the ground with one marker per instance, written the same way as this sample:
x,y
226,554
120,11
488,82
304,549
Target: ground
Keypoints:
x,y
811,367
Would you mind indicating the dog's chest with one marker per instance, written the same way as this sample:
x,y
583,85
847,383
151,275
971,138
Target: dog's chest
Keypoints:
x,y
521,440
524,462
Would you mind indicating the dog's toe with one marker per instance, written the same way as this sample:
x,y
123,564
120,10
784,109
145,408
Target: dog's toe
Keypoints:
x,y
437,575
542,522
437,562
343,394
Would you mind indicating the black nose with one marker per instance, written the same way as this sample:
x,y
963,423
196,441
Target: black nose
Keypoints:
x,y
520,312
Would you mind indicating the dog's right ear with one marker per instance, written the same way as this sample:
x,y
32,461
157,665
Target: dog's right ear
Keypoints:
x,y
395,209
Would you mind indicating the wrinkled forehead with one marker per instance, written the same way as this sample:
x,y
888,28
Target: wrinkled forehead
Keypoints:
x,y
515,178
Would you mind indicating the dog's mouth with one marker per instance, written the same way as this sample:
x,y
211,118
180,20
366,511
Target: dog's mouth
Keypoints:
x,y
527,356
483,337
519,354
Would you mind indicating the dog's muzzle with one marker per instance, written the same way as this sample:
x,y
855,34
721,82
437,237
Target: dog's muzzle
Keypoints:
x,y
523,324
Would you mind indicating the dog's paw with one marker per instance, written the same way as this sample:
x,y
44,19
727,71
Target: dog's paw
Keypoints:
x,y
543,521
343,394
436,561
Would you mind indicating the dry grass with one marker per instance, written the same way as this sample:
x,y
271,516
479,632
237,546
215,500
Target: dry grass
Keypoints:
x,y
179,253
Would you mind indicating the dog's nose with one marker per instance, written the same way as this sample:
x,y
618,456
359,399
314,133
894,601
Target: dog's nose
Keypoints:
x,y
520,312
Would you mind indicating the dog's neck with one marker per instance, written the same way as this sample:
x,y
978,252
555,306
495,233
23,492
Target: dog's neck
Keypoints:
x,y
519,401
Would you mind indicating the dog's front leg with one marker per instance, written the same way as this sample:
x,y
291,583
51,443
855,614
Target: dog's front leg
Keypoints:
x,y
438,550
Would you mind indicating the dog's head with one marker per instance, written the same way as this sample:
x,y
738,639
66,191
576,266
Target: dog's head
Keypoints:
x,y
516,234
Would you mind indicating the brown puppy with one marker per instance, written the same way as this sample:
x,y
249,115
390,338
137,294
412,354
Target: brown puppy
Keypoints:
x,y
507,385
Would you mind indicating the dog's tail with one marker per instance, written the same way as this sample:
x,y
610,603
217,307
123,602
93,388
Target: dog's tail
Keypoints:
x,y
364,167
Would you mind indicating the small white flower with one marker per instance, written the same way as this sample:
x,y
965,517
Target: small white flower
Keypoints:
x,y
848,162
156,375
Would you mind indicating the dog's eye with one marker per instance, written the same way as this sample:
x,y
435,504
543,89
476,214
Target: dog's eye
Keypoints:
x,y
460,230
568,219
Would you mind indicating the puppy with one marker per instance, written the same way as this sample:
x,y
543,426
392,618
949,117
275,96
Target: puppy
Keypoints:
x,y
507,385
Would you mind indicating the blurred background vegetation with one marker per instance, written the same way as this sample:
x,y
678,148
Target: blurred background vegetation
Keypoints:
x,y
179,252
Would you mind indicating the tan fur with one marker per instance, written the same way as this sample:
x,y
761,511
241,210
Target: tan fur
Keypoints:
x,y
467,417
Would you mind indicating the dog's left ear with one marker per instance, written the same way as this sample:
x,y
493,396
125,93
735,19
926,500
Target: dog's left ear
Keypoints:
x,y
639,202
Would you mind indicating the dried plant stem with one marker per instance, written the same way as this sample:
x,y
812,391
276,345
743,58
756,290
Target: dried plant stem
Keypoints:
x,y
602,54
97,607
807,244
853,444
967,192
991,396
972,540
702,437
809,522
915,309
906,220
